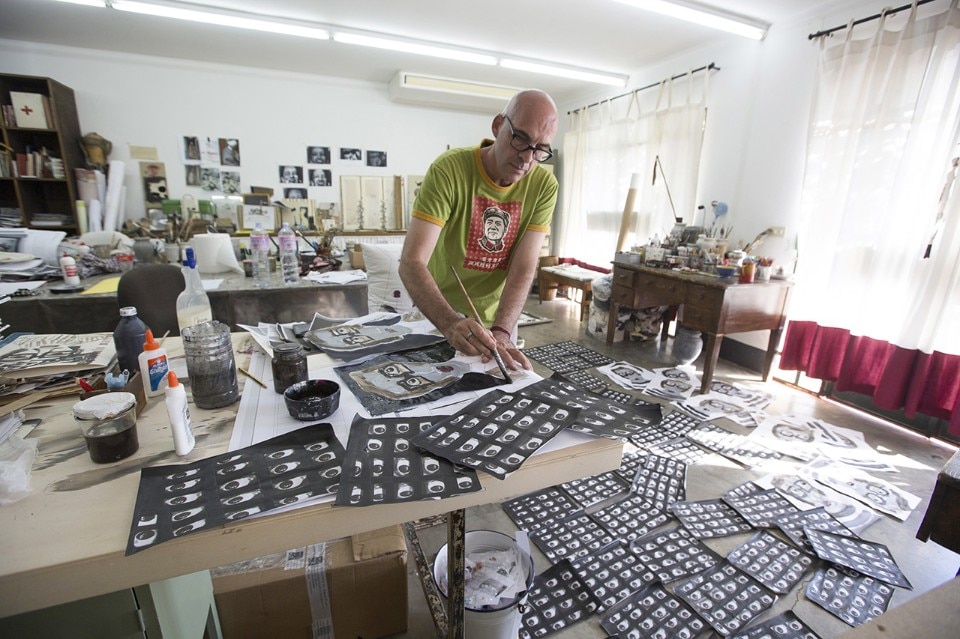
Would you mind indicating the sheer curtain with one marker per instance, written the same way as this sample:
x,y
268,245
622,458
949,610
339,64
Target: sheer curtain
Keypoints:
x,y
869,311
606,144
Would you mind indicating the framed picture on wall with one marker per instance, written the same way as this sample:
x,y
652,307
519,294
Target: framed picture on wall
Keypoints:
x,y
252,214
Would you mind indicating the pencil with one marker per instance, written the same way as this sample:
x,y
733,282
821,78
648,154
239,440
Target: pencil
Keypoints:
x,y
250,375
476,316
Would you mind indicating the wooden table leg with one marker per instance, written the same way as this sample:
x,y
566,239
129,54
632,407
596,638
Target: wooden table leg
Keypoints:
x,y
612,321
456,524
711,353
771,351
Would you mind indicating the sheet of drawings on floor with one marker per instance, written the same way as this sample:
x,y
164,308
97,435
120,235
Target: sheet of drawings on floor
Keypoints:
x,y
634,544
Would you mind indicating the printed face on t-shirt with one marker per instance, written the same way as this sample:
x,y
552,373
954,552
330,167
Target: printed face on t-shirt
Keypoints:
x,y
493,230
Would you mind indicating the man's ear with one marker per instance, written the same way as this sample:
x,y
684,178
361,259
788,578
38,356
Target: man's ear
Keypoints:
x,y
497,123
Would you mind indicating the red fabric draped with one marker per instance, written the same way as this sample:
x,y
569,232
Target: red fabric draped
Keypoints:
x,y
894,377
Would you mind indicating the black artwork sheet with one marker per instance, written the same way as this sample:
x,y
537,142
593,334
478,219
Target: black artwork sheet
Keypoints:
x,y
672,425
744,489
383,467
630,462
625,398
681,449
771,561
590,491
793,524
533,510
575,536
652,612
563,357
674,554
726,597
176,500
783,626
631,517
709,518
558,599
740,449
584,380
356,341
498,432
761,508
866,557
612,573
380,404
848,595
661,480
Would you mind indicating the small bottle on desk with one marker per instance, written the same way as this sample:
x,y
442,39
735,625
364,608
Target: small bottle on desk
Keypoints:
x,y
193,305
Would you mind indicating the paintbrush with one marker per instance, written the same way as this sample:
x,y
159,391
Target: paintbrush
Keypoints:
x,y
476,316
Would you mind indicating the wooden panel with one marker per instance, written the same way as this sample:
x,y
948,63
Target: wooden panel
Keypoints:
x,y
752,307
702,307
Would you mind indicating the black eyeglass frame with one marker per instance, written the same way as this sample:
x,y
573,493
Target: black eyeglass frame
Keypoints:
x,y
522,145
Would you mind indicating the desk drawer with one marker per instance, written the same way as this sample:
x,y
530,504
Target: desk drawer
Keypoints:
x,y
702,307
623,277
671,291
622,295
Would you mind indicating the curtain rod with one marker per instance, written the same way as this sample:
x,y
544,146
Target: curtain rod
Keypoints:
x,y
709,67
826,32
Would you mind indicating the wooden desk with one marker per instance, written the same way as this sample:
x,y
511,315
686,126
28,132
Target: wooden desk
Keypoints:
x,y
236,301
709,304
66,540
940,522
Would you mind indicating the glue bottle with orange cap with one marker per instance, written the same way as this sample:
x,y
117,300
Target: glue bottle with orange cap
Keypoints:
x,y
179,413
153,366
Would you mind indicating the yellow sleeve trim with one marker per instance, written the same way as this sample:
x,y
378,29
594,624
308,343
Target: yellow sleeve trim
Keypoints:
x,y
426,217
537,227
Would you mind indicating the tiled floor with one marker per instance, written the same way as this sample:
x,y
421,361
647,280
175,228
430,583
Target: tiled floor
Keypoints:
x,y
918,459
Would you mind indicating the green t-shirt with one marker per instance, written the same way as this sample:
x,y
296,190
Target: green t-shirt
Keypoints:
x,y
481,223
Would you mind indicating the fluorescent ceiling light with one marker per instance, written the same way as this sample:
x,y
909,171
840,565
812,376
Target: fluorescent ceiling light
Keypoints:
x,y
87,3
406,46
564,72
451,85
705,16
223,19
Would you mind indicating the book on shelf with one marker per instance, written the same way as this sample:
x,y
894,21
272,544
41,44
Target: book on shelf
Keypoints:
x,y
29,110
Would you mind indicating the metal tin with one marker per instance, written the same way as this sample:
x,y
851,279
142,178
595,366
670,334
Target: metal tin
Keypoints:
x,y
289,365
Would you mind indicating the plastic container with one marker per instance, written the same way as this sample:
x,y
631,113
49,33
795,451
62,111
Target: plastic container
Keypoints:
x,y
208,351
289,366
129,338
109,426
153,366
289,262
179,414
260,256
193,305
71,275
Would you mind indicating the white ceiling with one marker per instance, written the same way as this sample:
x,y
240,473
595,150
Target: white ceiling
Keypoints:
x,y
598,34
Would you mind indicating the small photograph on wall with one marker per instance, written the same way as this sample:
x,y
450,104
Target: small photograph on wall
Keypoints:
x,y
318,155
291,174
230,182
210,152
154,182
229,152
210,179
294,193
191,148
350,154
376,158
192,172
321,177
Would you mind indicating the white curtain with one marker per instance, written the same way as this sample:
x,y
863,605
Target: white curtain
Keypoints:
x,y
884,130
606,144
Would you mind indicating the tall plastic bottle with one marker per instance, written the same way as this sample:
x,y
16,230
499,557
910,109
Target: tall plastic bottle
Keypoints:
x,y
179,414
260,247
153,366
289,262
193,305
128,338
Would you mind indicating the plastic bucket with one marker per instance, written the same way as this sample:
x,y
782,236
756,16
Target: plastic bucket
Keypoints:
x,y
500,620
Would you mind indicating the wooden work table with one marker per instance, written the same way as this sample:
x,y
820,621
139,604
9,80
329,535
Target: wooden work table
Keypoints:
x,y
66,540
706,303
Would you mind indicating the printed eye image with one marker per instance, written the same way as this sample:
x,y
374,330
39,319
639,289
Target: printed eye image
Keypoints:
x,y
430,465
293,499
180,500
402,428
331,473
229,460
508,436
435,486
404,491
356,493
280,454
144,538
236,500
401,466
401,446
280,469
184,485
374,445
316,446
464,482
377,492
506,416
290,483
147,520
488,430
377,467
468,445
183,530
238,483
232,468
183,474
525,421
325,457
491,451
183,515
241,514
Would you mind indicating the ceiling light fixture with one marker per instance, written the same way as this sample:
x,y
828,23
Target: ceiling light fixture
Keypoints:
x,y
87,3
407,46
564,72
704,16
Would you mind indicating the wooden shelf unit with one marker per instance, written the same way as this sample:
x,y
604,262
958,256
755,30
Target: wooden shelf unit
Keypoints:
x,y
33,195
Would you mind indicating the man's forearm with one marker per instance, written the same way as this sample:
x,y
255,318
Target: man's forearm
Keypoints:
x,y
426,296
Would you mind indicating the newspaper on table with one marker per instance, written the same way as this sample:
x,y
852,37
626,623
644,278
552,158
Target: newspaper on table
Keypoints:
x,y
30,356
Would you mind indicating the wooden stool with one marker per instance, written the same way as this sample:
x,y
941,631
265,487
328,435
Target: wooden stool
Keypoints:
x,y
553,277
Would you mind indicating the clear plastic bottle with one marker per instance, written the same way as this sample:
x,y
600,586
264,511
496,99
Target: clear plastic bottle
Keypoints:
x,y
193,305
129,337
289,262
260,249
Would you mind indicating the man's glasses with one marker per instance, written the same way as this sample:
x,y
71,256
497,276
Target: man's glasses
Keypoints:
x,y
522,144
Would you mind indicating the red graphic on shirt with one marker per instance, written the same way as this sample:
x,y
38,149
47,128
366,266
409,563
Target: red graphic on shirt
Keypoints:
x,y
493,230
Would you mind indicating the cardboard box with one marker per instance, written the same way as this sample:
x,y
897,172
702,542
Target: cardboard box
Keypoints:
x,y
366,578
356,257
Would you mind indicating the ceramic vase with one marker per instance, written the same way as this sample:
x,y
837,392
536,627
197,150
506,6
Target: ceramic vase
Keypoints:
x,y
687,345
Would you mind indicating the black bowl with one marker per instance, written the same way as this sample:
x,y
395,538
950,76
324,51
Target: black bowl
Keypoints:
x,y
312,399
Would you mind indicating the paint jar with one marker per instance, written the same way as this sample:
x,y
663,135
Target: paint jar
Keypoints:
x,y
747,272
210,365
289,366
109,425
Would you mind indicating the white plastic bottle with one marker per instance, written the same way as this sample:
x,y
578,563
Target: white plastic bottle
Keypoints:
x,y
71,276
289,262
179,414
260,249
153,366
193,305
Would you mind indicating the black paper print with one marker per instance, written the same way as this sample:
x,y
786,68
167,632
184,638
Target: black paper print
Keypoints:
x,y
761,508
563,357
680,449
848,595
558,599
584,380
744,489
575,536
626,398
671,426
673,554
612,573
661,480
176,500
593,490
497,432
543,507
377,404
630,462
652,612
866,557
631,517
355,341
771,561
726,597
783,626
709,518
382,466
793,524
740,449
